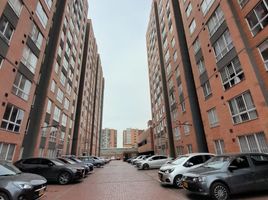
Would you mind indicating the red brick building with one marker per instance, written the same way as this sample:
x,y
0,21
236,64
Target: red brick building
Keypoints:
x,y
130,137
146,140
23,37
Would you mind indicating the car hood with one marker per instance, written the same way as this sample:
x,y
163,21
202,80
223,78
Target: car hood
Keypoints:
x,y
33,179
168,166
203,171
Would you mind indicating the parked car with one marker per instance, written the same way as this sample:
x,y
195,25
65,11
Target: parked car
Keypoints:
x,y
100,159
155,161
228,174
130,159
17,185
143,157
133,161
51,169
78,161
70,162
172,172
96,163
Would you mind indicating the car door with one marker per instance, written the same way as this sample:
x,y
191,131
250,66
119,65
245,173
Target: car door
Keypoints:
x,y
240,175
161,161
47,169
260,163
153,161
31,165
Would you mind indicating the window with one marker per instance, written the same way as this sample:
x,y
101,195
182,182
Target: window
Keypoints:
x,y
36,36
189,10
66,103
213,117
16,5
60,95
196,160
6,29
186,128
56,115
12,118
69,89
179,150
6,151
167,56
48,3
255,142
173,42
21,86
242,108
190,149
41,14
192,27
53,134
258,17
62,78
240,162
29,59
201,66
263,48
242,3
205,6
219,147
196,46
175,56
215,21
53,86
206,89
183,107
177,133
1,61
65,63
49,106
56,68
232,74
64,120
223,45
259,160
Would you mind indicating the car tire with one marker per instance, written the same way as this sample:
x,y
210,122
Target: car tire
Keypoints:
x,y
177,181
64,178
3,196
219,191
145,166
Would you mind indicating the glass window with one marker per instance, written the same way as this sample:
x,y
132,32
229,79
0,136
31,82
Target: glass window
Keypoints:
x,y
167,55
201,66
206,89
192,27
6,29
263,48
196,46
175,56
41,14
215,21
242,3
48,3
49,106
173,42
219,147
232,74
213,117
186,128
240,162
60,95
255,143
258,17
16,5
53,86
56,115
12,118
1,61
177,133
21,86
66,103
189,10
29,59
223,45
62,78
6,151
259,160
190,149
242,108
69,89
205,6
36,36
64,120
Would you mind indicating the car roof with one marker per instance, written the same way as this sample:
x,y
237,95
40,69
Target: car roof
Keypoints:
x,y
198,154
242,154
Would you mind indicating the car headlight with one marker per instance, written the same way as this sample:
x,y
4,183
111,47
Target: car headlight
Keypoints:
x,y
168,171
199,179
24,185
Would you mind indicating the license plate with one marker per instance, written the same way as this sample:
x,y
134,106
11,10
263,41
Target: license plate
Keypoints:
x,y
185,184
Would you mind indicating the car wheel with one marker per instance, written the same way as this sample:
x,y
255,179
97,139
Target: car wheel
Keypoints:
x,y
98,165
219,191
64,178
145,166
177,181
3,196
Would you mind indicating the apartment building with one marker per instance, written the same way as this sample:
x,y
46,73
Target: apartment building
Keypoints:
x,y
130,137
108,138
228,45
24,29
146,140
89,100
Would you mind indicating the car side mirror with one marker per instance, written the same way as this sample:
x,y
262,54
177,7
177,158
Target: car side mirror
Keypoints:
x,y
50,164
168,162
189,164
232,168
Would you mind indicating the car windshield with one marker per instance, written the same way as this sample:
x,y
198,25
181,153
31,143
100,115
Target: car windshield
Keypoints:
x,y
217,162
70,161
77,160
179,160
7,169
57,162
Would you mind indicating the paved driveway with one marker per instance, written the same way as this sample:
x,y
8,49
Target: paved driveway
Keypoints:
x,y
121,181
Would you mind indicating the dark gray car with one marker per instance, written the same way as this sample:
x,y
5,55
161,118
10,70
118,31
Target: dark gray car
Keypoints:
x,y
17,185
228,174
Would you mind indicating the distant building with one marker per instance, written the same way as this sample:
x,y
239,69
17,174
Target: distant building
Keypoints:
x,y
108,138
130,137
146,140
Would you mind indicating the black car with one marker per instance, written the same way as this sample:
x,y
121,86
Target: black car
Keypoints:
x,y
51,169
17,185
229,174
68,161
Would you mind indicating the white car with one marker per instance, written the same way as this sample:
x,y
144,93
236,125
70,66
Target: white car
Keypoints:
x,y
152,162
171,173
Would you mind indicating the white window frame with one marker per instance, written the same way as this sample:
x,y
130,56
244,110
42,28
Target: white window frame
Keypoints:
x,y
29,59
264,61
8,25
219,146
217,19
227,45
7,151
22,92
207,89
189,10
213,117
249,146
192,27
41,14
206,5
16,6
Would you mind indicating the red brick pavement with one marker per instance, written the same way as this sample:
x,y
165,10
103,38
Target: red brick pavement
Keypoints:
x,y
121,181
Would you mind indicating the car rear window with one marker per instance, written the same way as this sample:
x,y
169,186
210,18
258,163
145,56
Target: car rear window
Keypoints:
x,y
259,160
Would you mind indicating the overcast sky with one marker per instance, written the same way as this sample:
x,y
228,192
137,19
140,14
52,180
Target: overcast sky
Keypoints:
x,y
120,30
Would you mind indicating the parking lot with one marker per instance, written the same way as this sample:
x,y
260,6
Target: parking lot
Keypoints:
x,y
121,181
